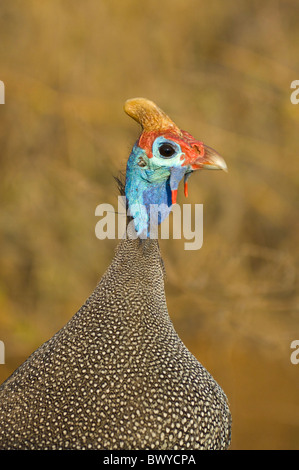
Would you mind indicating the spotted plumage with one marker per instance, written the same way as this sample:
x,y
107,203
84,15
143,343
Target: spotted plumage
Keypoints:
x,y
117,375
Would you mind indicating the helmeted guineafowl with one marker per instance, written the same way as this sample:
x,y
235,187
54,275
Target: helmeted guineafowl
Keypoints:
x,y
117,375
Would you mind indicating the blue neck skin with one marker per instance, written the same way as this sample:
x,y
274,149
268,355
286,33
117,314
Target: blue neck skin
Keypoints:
x,y
149,185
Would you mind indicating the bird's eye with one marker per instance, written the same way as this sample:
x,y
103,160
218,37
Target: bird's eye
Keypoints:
x,y
166,150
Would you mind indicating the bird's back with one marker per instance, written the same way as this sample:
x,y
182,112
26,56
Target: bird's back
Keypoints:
x,y
116,376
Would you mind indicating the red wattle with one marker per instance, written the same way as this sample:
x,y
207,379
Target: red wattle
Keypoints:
x,y
186,189
174,193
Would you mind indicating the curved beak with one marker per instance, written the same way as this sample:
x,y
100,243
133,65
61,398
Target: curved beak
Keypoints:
x,y
204,158
209,160
197,157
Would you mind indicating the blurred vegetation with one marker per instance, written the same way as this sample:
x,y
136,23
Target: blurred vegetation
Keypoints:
x,y
222,71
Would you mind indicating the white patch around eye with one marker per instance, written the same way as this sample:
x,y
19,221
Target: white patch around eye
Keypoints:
x,y
159,160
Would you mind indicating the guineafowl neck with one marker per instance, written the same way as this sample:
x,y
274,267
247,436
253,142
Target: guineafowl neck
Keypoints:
x,y
133,285
138,261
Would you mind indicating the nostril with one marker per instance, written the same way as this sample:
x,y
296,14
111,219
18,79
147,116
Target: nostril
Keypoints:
x,y
199,147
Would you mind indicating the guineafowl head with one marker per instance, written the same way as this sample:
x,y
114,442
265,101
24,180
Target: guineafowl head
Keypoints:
x,y
162,156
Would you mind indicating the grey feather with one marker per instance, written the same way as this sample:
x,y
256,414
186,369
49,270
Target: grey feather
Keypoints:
x,y
116,376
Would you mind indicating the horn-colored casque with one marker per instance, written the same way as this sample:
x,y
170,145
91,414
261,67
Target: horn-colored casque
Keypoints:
x,y
149,115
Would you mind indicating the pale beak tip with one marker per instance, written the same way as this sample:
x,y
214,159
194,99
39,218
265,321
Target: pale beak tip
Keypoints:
x,y
216,163
219,162
224,168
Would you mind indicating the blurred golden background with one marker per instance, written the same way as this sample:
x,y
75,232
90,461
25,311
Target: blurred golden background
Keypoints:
x,y
222,71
